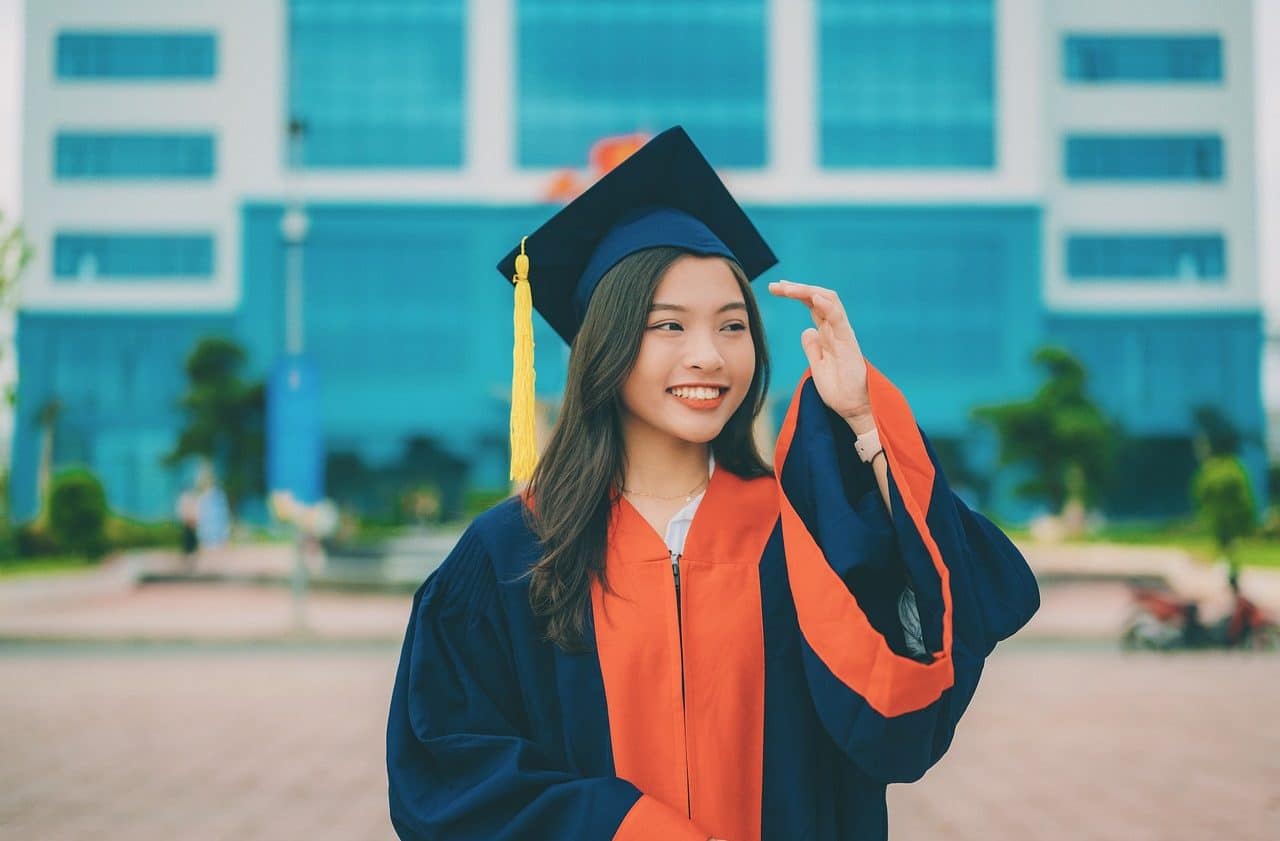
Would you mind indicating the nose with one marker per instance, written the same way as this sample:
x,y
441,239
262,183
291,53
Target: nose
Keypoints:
x,y
703,355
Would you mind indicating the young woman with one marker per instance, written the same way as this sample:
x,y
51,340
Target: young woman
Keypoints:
x,y
662,637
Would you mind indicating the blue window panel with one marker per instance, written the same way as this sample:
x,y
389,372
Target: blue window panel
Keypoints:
x,y
1128,58
377,84
588,69
118,378
89,257
1198,257
1144,157
136,55
134,155
907,85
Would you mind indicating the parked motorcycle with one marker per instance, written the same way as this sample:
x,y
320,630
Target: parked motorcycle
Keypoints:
x,y
1163,621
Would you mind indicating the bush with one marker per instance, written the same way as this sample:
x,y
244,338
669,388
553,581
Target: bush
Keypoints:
x,y
33,541
78,513
1224,500
479,500
123,533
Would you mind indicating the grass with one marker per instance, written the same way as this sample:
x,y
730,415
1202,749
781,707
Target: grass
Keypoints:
x,y
15,568
1256,551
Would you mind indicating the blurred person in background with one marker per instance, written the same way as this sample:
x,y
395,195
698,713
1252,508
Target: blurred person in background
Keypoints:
x,y
188,511
213,520
661,637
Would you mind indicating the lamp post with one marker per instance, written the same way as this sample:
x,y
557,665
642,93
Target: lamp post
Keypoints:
x,y
293,426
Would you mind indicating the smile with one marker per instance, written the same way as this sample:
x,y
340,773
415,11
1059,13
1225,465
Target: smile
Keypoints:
x,y
700,398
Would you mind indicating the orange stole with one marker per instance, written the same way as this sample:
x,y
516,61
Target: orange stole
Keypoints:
x,y
830,618
716,735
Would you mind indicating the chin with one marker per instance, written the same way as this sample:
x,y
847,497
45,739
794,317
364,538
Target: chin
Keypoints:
x,y
696,434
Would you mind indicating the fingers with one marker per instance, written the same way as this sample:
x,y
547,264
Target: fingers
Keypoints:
x,y
812,344
819,298
799,291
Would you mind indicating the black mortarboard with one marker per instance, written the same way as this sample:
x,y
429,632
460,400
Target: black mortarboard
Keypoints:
x,y
665,193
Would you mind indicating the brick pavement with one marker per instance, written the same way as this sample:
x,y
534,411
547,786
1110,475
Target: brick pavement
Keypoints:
x,y
237,612
279,743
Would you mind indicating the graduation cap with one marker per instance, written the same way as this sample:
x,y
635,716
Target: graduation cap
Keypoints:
x,y
664,194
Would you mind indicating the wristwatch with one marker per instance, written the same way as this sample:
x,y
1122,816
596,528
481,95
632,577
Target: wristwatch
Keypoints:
x,y
868,445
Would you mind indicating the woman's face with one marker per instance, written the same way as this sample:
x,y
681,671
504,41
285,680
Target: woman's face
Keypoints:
x,y
696,358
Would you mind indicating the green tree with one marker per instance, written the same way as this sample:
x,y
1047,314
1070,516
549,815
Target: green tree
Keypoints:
x,y
1059,433
1214,433
225,419
78,512
15,253
1223,499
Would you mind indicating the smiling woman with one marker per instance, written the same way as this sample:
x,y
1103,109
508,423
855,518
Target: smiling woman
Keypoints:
x,y
660,637
622,429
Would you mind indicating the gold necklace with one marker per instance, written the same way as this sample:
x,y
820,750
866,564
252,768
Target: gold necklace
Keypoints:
x,y
688,497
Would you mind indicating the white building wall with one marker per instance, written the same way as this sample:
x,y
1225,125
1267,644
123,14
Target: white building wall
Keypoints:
x,y
245,107
1227,108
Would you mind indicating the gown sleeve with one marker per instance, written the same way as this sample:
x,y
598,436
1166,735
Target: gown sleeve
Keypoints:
x,y
461,763
898,608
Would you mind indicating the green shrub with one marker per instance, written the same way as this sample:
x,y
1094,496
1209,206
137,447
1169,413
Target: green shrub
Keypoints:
x,y
1223,499
123,533
479,500
78,513
34,541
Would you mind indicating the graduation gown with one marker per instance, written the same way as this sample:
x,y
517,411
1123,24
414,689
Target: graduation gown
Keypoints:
x,y
776,701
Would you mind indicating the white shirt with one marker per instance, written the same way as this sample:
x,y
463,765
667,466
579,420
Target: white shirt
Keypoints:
x,y
678,528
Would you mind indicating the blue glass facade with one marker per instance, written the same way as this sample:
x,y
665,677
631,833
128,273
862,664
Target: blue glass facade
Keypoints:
x,y
409,325
134,155
96,256
588,69
1150,372
117,379
1096,59
1160,257
1143,157
907,84
377,84
136,56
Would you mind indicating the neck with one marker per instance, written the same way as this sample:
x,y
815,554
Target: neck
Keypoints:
x,y
660,465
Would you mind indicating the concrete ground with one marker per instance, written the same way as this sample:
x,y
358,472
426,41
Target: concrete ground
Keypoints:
x,y
285,741
201,710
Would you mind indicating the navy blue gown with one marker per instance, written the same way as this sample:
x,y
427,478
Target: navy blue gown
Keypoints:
x,y
775,699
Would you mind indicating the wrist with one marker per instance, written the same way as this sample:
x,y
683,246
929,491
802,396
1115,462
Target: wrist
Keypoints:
x,y
861,423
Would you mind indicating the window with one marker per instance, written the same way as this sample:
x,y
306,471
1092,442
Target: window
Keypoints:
x,y
89,257
133,155
588,69
1127,58
907,84
1156,157
376,84
1157,257
136,55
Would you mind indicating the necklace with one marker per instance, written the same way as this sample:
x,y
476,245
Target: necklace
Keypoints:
x,y
688,497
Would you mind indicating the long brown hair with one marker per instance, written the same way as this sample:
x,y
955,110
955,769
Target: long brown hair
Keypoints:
x,y
581,470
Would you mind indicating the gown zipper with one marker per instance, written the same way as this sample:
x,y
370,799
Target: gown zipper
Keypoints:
x,y
675,573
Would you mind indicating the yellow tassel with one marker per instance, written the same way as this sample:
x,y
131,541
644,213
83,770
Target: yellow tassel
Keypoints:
x,y
523,444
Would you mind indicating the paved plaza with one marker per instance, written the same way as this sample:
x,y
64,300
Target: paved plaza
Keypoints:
x,y
274,742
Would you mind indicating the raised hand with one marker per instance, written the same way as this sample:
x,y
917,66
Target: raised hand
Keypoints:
x,y
836,361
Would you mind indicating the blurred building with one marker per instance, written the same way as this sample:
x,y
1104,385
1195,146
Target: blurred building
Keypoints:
x,y
976,177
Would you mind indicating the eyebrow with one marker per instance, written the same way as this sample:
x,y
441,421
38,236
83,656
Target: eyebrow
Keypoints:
x,y
733,305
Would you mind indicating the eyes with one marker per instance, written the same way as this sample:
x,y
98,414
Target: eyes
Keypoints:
x,y
733,327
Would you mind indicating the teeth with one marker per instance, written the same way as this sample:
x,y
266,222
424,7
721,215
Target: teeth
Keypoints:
x,y
697,393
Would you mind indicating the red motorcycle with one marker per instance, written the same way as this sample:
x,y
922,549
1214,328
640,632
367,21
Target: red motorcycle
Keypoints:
x,y
1161,620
